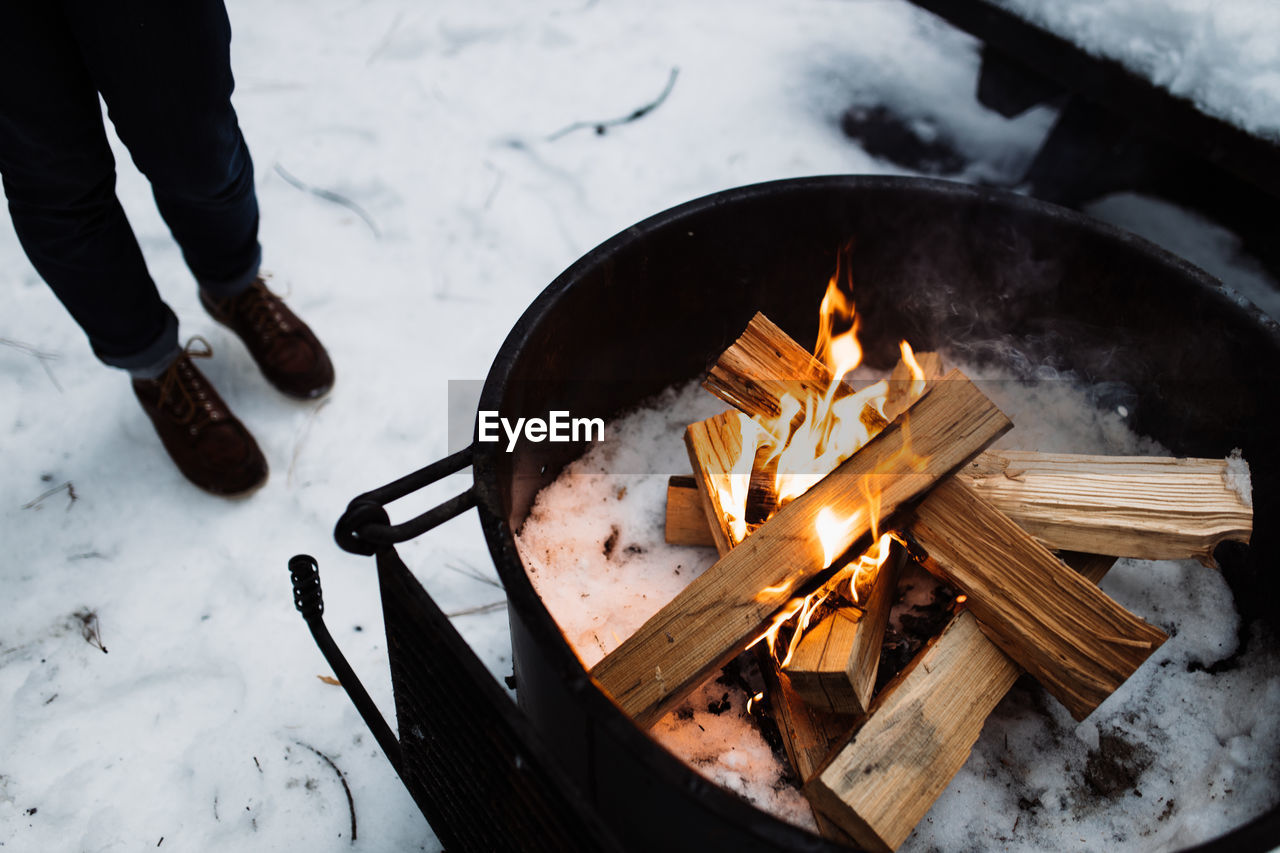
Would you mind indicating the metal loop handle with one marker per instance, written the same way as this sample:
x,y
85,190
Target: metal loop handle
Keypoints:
x,y
366,529
307,595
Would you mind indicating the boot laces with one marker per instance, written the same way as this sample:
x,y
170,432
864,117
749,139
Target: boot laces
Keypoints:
x,y
261,308
187,393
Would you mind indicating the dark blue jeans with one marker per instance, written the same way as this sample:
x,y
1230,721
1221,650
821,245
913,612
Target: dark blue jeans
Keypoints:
x,y
163,68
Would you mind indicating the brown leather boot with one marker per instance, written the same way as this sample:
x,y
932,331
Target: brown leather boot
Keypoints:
x,y
209,445
287,352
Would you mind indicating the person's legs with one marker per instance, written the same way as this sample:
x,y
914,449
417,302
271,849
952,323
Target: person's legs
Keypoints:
x,y
164,70
59,177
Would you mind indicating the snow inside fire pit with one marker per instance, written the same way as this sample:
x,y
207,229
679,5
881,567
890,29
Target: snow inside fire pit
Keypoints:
x,y
1184,751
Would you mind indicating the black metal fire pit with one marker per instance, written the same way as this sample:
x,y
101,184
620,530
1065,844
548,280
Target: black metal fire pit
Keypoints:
x,y
944,265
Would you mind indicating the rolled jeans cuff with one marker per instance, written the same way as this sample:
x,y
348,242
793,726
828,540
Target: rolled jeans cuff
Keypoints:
x,y
228,288
157,355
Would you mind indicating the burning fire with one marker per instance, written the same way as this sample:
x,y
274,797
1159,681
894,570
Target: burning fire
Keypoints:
x,y
733,486
917,372
804,608
808,439
831,531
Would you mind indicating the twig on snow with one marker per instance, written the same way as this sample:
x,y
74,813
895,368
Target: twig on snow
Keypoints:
x,y
39,355
302,438
640,112
351,803
330,195
465,569
479,608
89,628
386,39
71,495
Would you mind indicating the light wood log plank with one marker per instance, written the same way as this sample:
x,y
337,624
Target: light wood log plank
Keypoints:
x,y
808,735
1144,507
1078,642
761,366
879,786
686,523
1147,507
715,448
834,665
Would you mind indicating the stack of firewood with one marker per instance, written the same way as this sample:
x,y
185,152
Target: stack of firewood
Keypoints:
x,y
1024,537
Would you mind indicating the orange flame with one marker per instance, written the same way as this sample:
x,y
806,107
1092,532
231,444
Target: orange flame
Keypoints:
x,y
811,603
774,591
770,635
917,372
812,436
809,439
803,609
869,563
833,533
732,486
839,351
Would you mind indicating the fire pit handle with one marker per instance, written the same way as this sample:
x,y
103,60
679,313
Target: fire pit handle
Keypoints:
x,y
366,529
308,598
472,761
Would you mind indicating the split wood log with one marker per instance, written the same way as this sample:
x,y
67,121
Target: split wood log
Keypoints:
x,y
921,728
807,736
834,666
716,450
721,611
761,366
762,490
1151,508
765,364
686,523
1077,641
1144,507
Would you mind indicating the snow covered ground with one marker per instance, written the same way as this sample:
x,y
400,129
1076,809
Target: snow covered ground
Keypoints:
x,y
202,728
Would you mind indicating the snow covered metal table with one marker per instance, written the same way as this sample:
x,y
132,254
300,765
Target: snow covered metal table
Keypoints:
x,y
1177,102
1247,148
